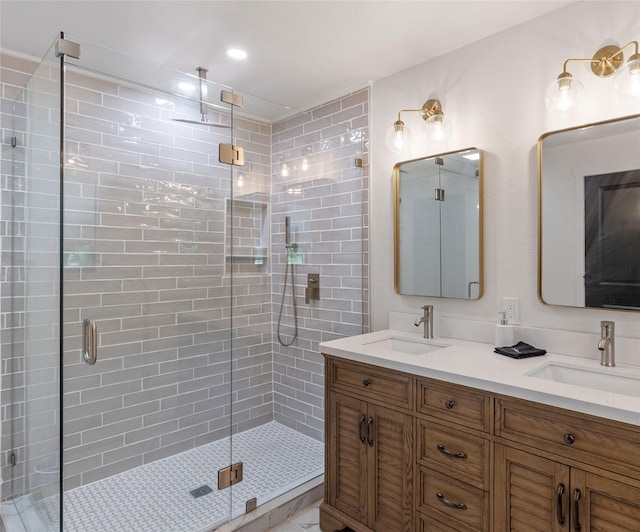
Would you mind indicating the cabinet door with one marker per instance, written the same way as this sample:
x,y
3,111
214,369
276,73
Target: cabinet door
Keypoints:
x,y
390,470
346,456
603,505
531,493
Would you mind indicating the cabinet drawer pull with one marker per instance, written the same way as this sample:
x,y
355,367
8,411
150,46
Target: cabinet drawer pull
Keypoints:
x,y
369,435
363,418
569,438
447,502
447,452
559,512
366,382
450,404
576,509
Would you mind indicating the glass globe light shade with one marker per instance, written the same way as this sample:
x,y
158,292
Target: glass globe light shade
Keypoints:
x,y
436,128
627,80
563,94
398,137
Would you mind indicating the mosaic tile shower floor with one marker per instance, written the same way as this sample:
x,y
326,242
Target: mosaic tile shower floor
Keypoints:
x,y
156,497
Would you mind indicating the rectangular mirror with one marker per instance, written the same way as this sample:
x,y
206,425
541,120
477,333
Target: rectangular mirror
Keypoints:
x,y
438,225
589,215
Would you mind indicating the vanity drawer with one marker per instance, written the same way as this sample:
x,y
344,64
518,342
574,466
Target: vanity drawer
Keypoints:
x,y
455,453
615,446
450,501
371,382
454,403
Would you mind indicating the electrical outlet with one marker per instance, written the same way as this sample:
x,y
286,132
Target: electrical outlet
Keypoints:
x,y
511,309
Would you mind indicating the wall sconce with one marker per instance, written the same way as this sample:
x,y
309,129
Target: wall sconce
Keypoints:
x,y
435,128
564,93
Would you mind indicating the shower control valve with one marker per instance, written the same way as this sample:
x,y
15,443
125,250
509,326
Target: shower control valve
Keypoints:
x,y
312,291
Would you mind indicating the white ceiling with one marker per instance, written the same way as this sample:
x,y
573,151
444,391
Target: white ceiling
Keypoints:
x,y
301,53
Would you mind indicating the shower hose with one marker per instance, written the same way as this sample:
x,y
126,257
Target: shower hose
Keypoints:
x,y
295,308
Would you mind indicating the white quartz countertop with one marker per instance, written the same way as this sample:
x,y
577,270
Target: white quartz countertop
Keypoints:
x,y
476,365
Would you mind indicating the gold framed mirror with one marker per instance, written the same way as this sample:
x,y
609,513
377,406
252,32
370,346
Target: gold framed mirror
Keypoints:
x,y
438,225
589,215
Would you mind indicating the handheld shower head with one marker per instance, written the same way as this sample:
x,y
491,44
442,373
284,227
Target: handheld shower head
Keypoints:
x,y
287,230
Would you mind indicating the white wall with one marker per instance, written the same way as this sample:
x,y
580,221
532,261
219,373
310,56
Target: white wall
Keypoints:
x,y
493,93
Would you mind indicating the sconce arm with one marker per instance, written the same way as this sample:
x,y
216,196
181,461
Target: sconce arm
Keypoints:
x,y
564,68
635,43
605,62
408,111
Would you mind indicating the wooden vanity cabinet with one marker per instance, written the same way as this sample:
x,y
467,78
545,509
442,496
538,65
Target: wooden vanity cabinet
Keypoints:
x,y
407,453
369,451
564,477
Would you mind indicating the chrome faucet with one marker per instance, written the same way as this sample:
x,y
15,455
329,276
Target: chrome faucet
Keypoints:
x,y
607,345
427,319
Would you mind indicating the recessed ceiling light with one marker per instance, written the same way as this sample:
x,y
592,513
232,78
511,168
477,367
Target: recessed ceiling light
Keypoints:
x,y
237,54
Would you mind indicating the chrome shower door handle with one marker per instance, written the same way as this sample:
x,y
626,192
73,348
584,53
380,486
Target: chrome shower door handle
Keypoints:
x,y
89,341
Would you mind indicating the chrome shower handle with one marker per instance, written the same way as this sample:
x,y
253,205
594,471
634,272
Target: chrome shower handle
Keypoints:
x,y
89,341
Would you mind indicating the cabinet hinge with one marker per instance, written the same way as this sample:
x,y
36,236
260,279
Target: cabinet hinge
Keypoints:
x,y
230,154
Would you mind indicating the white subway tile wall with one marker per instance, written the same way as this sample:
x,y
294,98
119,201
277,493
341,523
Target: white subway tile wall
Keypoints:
x,y
316,183
147,206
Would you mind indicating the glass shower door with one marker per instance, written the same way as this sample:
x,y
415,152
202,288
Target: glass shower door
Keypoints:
x,y
31,324
147,344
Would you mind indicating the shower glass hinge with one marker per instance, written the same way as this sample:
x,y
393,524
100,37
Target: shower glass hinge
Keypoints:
x,y
13,459
14,142
358,162
438,194
70,48
228,476
230,154
232,99
439,161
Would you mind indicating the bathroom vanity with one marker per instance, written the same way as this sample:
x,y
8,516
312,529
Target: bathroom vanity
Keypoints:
x,y
434,435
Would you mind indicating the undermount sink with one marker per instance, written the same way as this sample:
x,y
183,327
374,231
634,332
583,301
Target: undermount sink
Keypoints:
x,y
404,345
605,379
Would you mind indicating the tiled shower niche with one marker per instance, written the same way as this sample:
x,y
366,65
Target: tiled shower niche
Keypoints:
x,y
247,236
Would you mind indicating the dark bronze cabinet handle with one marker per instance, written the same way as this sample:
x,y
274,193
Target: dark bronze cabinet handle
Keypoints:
x,y
447,502
559,512
447,452
576,509
363,418
366,382
450,404
369,435
569,438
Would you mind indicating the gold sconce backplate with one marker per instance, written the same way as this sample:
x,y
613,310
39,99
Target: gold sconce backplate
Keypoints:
x,y
604,63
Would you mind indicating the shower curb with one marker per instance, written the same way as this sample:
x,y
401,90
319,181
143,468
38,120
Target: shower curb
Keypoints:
x,y
278,510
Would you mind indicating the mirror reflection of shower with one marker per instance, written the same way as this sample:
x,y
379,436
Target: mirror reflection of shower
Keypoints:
x,y
288,264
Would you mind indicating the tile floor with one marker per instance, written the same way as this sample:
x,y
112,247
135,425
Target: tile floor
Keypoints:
x,y
307,519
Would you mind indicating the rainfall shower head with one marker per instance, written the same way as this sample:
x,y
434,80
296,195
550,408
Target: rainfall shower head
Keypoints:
x,y
199,122
202,75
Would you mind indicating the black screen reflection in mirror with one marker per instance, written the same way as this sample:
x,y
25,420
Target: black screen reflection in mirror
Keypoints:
x,y
438,225
589,215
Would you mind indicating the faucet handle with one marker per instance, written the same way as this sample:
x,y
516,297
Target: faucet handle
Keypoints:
x,y
607,327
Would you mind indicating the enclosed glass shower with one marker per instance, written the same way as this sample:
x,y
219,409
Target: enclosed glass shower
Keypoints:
x,y
142,283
